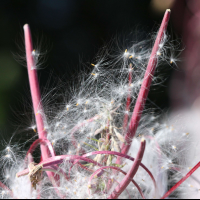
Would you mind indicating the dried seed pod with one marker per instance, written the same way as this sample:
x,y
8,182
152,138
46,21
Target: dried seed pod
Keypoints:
x,y
35,174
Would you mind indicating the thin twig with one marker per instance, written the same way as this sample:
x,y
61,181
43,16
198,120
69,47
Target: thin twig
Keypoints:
x,y
144,90
182,180
129,176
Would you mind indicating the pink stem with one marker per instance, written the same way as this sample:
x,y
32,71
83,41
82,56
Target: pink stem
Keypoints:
x,y
29,158
58,160
41,141
128,102
129,176
97,172
85,168
35,93
129,197
57,170
182,180
82,166
140,103
124,156
6,188
54,169
120,155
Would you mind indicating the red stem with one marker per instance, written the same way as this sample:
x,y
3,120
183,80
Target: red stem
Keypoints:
x,y
128,101
36,97
129,197
182,180
97,172
124,156
29,157
35,91
129,176
140,103
58,160
80,165
112,153
6,188
58,170
41,141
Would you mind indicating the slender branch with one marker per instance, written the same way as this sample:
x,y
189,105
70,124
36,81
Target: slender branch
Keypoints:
x,y
80,165
56,170
129,176
98,174
129,197
119,155
58,160
123,156
128,101
35,93
29,158
140,103
6,188
182,180
40,141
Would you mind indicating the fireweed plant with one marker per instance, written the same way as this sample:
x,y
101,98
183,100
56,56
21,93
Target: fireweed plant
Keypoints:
x,y
97,147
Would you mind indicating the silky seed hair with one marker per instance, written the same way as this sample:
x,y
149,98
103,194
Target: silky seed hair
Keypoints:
x,y
92,119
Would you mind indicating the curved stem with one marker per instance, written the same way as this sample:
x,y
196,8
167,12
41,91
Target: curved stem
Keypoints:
x,y
58,160
129,197
82,166
56,170
97,173
41,141
123,156
129,176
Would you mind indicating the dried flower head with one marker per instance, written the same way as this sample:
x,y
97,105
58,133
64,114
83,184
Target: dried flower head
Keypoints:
x,y
100,145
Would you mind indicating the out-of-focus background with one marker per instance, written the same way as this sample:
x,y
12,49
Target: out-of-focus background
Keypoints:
x,y
69,31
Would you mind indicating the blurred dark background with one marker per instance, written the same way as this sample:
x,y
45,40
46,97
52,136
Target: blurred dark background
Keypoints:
x,y
66,30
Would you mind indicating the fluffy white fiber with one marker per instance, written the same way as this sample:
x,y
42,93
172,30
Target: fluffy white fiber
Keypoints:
x,y
95,109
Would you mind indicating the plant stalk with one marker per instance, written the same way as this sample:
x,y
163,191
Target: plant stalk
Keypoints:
x,y
144,90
